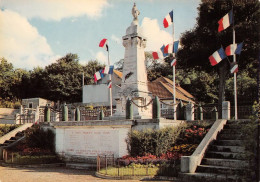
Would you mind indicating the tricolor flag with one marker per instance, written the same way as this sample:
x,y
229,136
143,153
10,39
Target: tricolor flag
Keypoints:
x,y
109,84
233,49
97,76
171,48
234,68
111,68
225,22
173,63
168,20
175,46
104,44
168,49
101,73
217,56
106,70
162,49
155,55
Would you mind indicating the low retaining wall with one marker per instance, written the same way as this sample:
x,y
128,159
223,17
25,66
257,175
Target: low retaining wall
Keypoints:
x,y
190,163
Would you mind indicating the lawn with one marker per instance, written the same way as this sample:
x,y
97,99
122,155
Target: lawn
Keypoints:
x,y
130,171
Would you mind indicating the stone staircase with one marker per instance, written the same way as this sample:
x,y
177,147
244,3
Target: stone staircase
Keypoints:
x,y
19,136
225,158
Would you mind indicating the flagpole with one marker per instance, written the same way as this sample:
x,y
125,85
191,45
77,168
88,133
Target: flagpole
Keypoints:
x,y
110,89
173,77
235,74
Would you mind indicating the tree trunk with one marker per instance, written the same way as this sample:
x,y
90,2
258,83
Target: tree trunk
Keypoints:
x,y
221,90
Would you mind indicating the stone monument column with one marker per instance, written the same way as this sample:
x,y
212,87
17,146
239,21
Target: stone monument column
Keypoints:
x,y
134,81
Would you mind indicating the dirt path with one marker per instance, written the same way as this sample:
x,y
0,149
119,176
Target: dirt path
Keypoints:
x,y
51,174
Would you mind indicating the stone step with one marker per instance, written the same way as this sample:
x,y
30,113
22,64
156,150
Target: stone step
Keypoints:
x,y
232,126
228,142
209,177
233,163
224,155
225,148
229,136
9,141
221,170
19,134
230,131
240,121
81,166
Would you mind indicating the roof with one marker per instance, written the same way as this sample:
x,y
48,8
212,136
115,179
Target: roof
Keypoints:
x,y
118,73
163,88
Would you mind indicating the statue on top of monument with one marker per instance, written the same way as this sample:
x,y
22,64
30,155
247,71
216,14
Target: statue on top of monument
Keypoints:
x,y
135,12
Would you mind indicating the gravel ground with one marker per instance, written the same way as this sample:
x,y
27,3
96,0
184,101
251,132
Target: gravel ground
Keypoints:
x,y
49,174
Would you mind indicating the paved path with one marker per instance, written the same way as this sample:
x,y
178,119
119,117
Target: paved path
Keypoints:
x,y
51,174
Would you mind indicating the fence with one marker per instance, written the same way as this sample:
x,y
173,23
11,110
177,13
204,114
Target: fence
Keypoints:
x,y
25,118
30,116
18,158
109,165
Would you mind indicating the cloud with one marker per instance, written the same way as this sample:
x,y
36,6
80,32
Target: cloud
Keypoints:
x,y
116,39
21,43
56,9
101,57
155,36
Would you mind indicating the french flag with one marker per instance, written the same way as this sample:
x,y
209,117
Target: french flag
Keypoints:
x,y
226,21
162,49
101,73
168,20
155,55
109,84
217,56
168,49
234,68
111,68
104,44
171,48
97,76
233,49
176,46
173,63
106,70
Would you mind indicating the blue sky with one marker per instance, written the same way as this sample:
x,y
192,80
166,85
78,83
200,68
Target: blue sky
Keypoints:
x,y
38,32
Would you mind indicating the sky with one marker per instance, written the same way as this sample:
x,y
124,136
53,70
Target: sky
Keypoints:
x,y
38,32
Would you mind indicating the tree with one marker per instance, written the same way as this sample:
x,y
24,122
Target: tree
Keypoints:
x,y
90,69
199,43
62,80
7,80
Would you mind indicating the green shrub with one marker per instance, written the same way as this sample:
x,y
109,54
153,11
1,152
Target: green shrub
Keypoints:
x,y
154,142
40,138
4,129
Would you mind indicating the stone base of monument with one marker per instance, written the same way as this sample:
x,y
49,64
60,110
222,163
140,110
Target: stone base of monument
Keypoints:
x,y
81,142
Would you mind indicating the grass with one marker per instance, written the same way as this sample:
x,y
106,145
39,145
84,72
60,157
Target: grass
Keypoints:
x,y
43,159
130,171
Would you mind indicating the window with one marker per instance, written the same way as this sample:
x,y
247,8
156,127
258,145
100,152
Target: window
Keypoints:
x,y
30,105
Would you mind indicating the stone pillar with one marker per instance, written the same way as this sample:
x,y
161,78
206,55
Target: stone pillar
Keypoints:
x,y
156,108
65,113
21,109
225,110
37,115
77,114
190,111
47,114
56,116
72,111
